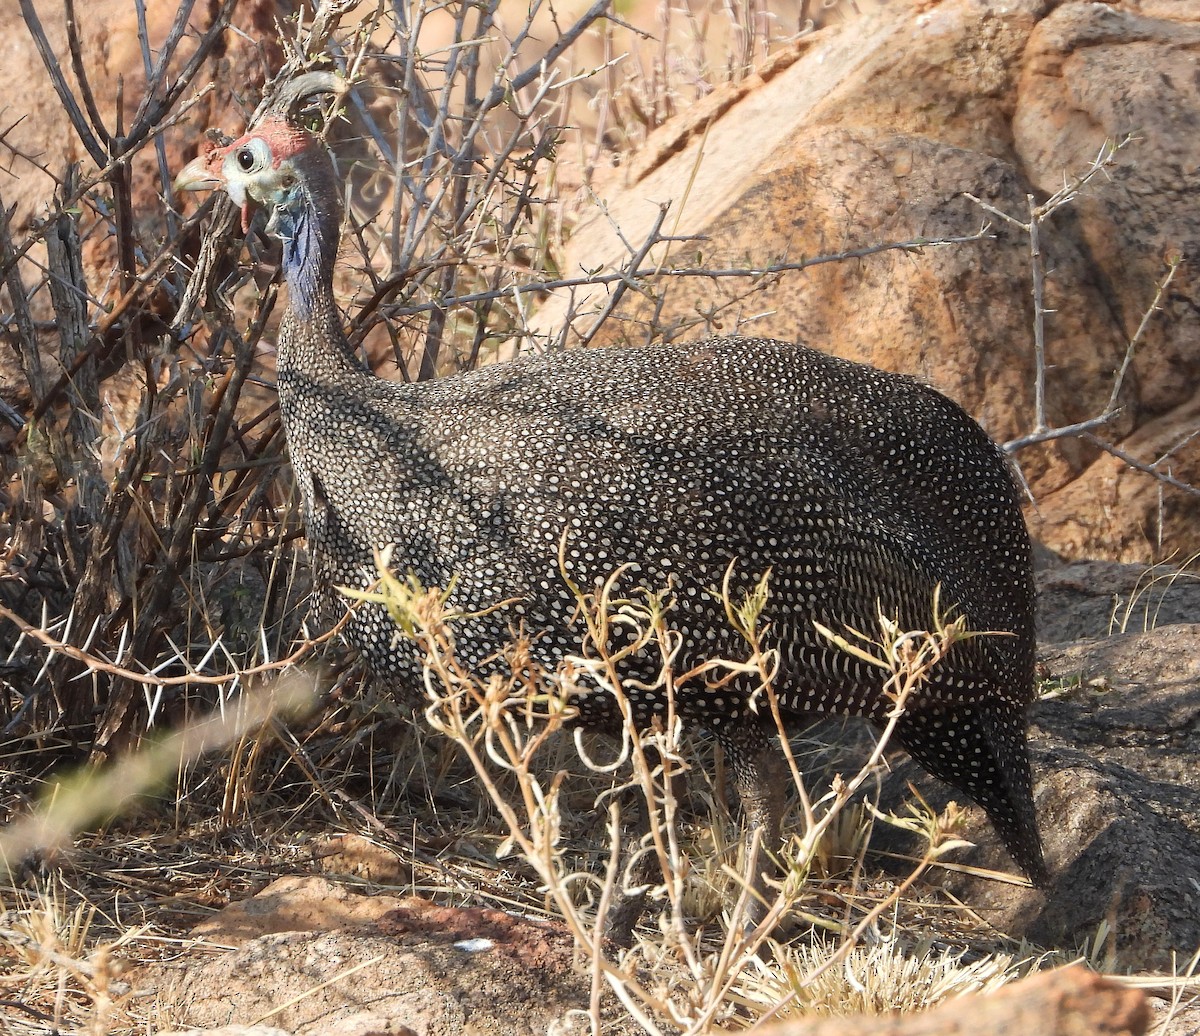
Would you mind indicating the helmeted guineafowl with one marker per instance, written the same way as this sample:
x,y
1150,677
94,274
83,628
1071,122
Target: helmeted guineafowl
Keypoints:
x,y
860,490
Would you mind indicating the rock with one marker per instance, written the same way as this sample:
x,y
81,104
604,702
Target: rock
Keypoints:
x,y
1117,789
230,1030
1095,73
383,966
1121,795
368,1023
358,964
293,904
874,132
352,855
1068,1002
1096,598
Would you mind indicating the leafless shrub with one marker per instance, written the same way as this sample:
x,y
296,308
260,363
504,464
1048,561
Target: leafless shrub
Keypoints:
x,y
1040,215
163,545
505,721
111,540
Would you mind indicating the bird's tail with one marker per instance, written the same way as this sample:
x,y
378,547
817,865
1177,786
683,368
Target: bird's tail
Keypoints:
x,y
981,751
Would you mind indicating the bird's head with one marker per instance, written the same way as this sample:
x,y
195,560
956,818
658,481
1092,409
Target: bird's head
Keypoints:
x,y
278,164
265,167
281,165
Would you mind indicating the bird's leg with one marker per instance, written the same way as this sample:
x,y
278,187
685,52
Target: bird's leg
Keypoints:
x,y
640,863
635,873
761,779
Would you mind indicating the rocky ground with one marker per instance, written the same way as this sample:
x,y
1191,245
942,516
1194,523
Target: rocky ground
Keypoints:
x,y
1115,743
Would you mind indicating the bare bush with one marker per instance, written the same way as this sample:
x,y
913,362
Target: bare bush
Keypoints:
x,y
164,544
507,721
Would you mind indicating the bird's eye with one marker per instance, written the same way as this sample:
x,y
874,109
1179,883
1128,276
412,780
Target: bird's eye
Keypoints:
x,y
248,156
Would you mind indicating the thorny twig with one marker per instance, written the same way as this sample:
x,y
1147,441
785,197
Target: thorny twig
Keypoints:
x,y
1112,408
1042,430
1142,466
1039,214
98,664
626,277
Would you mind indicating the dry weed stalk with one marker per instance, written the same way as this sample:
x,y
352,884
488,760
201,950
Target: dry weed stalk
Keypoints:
x,y
504,719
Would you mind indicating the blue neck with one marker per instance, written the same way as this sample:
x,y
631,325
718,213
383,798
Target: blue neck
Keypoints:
x,y
311,338
307,254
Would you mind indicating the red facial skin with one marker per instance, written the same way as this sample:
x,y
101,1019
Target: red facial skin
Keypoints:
x,y
212,169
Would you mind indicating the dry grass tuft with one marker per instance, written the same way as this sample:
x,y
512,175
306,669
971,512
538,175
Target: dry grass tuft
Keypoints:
x,y
66,967
886,976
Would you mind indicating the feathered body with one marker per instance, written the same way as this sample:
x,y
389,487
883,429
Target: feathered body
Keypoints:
x,y
860,491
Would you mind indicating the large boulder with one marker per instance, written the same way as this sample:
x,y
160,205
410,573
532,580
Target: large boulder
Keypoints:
x,y
877,131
